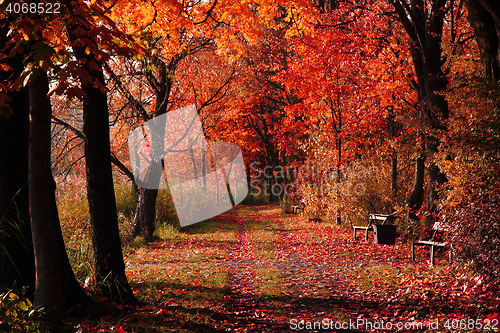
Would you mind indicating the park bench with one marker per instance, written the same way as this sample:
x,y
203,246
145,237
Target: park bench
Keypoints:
x,y
296,209
433,242
374,218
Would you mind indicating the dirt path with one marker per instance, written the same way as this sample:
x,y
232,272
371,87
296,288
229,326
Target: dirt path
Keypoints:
x,y
255,269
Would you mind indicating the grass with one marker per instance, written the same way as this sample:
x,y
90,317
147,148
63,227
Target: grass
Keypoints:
x,y
207,277
267,281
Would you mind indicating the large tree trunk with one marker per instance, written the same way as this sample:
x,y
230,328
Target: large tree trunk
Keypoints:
x,y
484,18
425,28
417,194
48,292
17,261
56,285
106,244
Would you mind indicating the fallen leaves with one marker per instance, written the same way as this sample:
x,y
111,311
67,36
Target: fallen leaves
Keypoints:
x,y
255,269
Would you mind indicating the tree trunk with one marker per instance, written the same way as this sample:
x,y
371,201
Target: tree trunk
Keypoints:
x,y
56,285
108,256
394,175
484,18
17,261
145,215
425,28
108,261
48,292
144,219
394,157
417,194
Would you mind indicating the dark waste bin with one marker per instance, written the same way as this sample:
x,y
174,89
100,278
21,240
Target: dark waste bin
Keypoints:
x,y
385,234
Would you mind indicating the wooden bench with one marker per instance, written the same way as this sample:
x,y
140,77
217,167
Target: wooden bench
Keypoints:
x,y
296,209
374,218
433,242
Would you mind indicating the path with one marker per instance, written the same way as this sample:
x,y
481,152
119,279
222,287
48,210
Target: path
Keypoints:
x,y
255,269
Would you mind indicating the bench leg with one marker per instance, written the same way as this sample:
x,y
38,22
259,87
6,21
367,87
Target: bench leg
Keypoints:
x,y
412,251
355,233
432,255
366,235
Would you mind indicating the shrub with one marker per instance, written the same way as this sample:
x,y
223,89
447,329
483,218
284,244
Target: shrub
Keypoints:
x,y
17,315
286,204
470,156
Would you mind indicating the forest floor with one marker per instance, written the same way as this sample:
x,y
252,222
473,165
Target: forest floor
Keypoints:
x,y
255,269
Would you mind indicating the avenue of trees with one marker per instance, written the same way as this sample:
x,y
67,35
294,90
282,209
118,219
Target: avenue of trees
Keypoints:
x,y
393,103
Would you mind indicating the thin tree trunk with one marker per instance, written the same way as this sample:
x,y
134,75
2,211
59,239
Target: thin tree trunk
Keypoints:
x,y
339,163
394,175
394,158
145,215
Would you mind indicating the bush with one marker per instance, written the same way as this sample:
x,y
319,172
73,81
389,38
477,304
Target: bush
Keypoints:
x,y
470,156
17,314
364,187
286,204
253,199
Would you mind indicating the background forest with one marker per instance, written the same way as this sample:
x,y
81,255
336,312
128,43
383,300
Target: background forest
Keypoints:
x,y
352,107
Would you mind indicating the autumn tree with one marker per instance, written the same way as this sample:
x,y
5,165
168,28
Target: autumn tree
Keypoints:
x,y
214,21
161,81
423,22
56,287
469,150
356,80
107,251
484,18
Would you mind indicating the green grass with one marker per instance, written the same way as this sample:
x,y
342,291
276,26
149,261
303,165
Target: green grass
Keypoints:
x,y
187,281
268,281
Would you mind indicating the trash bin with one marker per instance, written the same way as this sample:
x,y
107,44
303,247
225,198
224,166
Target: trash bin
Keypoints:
x,y
385,234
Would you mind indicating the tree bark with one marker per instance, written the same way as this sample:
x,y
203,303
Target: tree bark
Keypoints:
x,y
17,261
417,194
484,18
56,285
48,292
424,27
106,244
144,219
145,215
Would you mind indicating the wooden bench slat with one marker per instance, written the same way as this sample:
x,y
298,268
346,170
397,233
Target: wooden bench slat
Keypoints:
x,y
422,242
